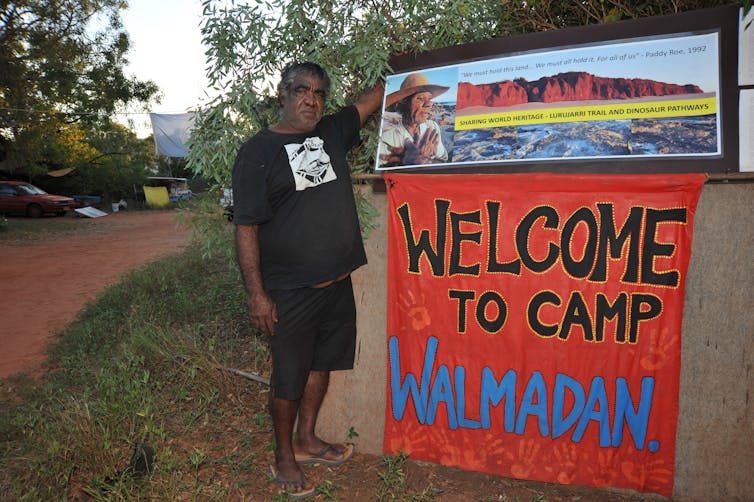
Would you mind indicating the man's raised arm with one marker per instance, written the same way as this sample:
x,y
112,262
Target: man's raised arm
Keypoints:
x,y
370,100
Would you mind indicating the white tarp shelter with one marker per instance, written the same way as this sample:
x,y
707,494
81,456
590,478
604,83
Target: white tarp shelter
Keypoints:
x,y
171,132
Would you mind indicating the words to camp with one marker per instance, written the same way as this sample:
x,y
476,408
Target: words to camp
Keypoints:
x,y
628,311
498,401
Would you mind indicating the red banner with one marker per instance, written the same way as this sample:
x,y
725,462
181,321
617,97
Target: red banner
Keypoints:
x,y
534,323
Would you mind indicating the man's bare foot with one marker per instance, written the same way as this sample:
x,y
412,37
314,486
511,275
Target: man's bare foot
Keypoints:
x,y
290,479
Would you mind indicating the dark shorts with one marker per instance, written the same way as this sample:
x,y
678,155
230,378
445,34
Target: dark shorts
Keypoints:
x,y
316,330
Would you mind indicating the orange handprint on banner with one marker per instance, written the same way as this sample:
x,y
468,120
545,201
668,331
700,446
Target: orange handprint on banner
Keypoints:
x,y
495,448
604,473
525,461
414,310
567,461
450,453
412,439
660,350
647,474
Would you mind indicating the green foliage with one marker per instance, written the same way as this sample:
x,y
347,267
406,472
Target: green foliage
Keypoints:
x,y
115,161
543,15
172,167
208,220
43,146
59,76
328,490
393,479
197,458
367,212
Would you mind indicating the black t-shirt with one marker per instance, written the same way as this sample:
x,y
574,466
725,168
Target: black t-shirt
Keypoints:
x,y
297,188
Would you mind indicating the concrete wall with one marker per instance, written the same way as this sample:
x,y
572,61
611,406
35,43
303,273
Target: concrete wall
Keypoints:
x,y
357,398
715,437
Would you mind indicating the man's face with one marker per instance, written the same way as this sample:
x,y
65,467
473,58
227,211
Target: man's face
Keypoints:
x,y
303,104
421,104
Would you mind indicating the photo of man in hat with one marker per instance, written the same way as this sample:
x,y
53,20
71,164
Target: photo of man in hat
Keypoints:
x,y
416,139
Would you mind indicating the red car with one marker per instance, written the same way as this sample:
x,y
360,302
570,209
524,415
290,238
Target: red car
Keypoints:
x,y
18,197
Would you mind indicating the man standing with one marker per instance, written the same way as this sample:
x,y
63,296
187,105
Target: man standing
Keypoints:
x,y
297,241
416,139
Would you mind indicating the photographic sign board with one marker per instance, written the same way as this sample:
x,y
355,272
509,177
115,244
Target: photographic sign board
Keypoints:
x,y
662,99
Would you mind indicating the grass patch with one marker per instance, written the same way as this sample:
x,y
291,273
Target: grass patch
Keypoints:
x,y
394,487
22,229
139,366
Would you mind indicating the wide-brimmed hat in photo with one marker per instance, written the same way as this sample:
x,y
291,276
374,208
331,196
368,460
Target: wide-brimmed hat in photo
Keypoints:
x,y
416,82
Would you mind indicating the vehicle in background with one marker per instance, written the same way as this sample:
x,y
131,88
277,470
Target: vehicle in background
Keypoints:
x,y
19,197
87,200
178,188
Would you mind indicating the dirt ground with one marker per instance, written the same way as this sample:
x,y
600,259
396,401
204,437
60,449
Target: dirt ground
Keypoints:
x,y
44,284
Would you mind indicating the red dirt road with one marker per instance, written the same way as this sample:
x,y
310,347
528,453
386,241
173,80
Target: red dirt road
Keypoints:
x,y
44,284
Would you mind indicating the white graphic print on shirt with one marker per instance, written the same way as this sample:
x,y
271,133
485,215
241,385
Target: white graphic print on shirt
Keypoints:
x,y
310,163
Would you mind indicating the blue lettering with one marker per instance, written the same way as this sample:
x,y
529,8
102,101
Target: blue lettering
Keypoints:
x,y
492,394
561,424
428,393
442,390
419,392
624,410
535,388
597,397
460,378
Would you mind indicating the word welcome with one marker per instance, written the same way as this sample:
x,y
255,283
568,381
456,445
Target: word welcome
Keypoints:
x,y
634,240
